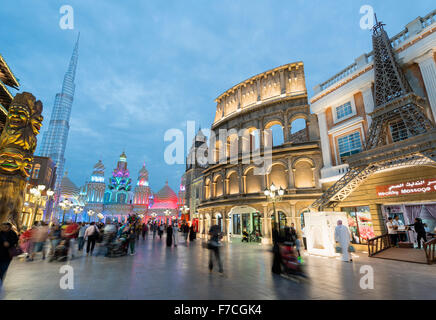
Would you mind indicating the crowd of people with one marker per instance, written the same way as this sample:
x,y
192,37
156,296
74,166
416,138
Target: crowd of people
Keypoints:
x,y
60,242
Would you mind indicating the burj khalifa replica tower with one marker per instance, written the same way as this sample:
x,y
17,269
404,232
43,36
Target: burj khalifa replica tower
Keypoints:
x,y
55,138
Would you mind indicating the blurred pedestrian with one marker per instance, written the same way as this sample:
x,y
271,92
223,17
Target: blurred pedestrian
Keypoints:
x,y
70,234
55,236
192,233
154,225
169,236
91,235
161,230
81,236
176,234
276,266
185,230
132,239
342,236
8,244
39,237
214,247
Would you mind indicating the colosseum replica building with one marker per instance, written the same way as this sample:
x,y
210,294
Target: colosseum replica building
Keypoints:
x,y
271,138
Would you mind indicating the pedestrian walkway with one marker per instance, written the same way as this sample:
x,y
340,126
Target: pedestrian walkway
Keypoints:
x,y
159,272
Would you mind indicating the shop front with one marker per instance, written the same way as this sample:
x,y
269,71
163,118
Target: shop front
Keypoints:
x,y
247,219
408,193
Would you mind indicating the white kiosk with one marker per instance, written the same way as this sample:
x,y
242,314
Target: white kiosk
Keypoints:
x,y
320,231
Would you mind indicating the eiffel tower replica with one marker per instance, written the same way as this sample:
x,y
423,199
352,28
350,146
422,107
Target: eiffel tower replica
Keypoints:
x,y
401,134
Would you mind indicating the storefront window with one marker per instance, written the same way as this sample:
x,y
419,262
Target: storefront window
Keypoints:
x,y
236,224
257,223
360,224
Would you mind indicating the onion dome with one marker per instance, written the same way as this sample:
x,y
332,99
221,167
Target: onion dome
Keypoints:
x,y
68,188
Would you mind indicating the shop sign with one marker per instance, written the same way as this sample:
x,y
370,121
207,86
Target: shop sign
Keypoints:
x,y
405,188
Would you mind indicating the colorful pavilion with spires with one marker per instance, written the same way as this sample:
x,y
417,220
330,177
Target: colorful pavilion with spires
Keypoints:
x,y
117,197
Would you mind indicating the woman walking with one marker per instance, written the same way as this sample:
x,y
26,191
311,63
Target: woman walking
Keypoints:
x,y
169,236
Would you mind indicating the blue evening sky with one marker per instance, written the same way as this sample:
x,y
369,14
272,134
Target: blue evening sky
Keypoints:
x,y
148,66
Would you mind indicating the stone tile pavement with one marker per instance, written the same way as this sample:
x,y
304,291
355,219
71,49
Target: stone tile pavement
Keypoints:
x,y
158,272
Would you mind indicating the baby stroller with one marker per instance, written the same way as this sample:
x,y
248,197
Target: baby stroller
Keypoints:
x,y
61,251
291,266
116,247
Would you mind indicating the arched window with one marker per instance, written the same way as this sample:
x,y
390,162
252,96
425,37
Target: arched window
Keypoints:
x,y
304,174
121,198
233,183
278,176
232,146
273,134
218,186
207,189
36,169
107,197
299,132
252,182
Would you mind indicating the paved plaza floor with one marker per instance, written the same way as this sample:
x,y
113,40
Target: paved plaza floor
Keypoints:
x,y
158,272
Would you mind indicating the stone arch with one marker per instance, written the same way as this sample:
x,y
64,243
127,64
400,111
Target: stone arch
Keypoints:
x,y
298,128
207,188
232,145
250,139
233,182
218,185
253,183
278,174
303,169
274,134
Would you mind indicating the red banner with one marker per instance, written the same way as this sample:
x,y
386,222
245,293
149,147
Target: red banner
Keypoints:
x,y
405,188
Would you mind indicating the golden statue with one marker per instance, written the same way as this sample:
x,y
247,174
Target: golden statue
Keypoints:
x,y
17,145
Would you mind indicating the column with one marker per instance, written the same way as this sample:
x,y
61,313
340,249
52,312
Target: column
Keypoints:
x,y
225,185
291,181
368,102
244,184
213,191
428,70
265,225
325,144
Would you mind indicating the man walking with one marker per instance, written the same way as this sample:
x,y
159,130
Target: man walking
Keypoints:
x,y
81,236
342,236
214,247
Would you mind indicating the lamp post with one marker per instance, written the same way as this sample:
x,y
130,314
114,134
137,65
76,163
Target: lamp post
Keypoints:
x,y
50,194
77,210
274,194
36,192
90,213
167,213
65,206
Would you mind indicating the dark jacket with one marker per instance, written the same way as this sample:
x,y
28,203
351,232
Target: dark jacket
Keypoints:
x,y
10,237
418,227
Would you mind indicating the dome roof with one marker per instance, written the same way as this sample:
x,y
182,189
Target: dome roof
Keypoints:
x,y
68,188
166,193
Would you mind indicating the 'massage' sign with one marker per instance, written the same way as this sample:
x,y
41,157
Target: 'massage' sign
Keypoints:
x,y
405,188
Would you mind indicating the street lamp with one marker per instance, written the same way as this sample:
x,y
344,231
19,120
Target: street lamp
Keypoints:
x,y
77,210
36,192
91,213
273,195
167,213
65,206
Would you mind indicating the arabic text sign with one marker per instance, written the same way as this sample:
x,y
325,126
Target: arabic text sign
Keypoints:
x,y
405,188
